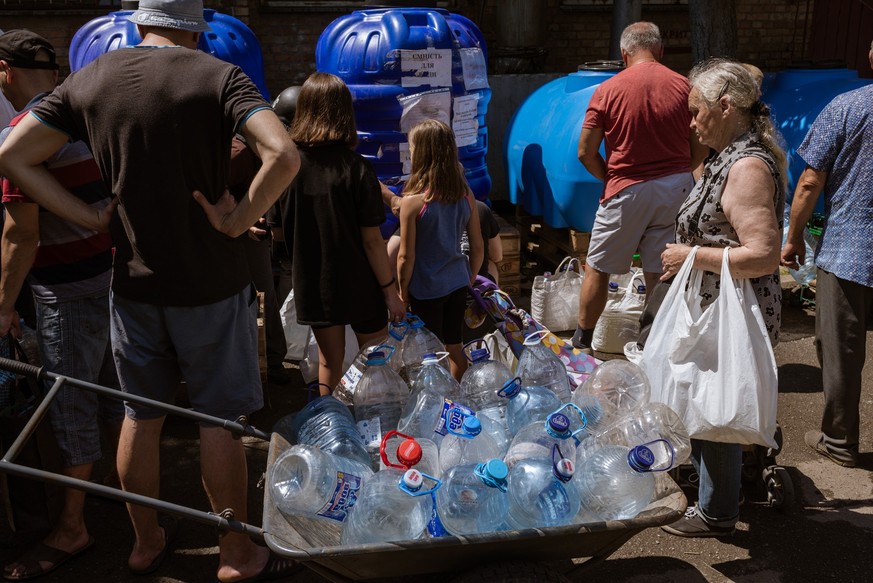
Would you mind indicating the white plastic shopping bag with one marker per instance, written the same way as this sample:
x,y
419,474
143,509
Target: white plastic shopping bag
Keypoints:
x,y
714,366
555,298
296,335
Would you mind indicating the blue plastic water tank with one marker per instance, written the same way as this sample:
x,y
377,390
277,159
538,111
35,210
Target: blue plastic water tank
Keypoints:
x,y
796,97
544,173
229,39
400,63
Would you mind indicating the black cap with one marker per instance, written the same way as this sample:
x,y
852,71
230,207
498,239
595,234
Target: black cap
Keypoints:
x,y
20,47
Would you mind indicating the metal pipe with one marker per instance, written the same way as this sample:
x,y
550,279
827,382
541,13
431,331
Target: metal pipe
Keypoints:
x,y
37,416
624,12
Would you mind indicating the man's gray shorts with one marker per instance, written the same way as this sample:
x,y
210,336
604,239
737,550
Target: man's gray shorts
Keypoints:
x,y
640,217
213,348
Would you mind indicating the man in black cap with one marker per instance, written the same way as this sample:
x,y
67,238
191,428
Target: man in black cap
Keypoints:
x,y
159,118
69,269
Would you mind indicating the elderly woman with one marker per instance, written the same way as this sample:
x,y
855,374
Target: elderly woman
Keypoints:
x,y
738,203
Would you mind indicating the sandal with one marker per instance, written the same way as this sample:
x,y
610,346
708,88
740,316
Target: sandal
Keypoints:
x,y
42,553
275,568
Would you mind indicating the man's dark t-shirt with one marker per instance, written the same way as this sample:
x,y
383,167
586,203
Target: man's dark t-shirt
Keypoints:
x,y
159,121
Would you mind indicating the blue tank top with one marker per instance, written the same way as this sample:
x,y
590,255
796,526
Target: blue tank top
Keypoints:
x,y
440,266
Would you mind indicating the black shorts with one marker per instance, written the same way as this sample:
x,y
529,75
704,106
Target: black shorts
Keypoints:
x,y
444,316
369,326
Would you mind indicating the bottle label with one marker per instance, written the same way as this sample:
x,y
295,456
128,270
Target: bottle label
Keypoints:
x,y
453,416
345,494
371,431
351,378
553,502
435,527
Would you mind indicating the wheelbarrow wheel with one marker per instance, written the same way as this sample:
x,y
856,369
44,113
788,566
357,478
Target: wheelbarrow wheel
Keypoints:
x,y
512,572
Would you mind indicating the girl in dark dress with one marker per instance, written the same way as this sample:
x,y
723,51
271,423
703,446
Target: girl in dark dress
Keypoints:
x,y
331,216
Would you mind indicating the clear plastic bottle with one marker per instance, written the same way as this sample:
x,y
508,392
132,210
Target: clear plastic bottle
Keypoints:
x,y
468,446
434,390
536,439
473,498
417,342
539,366
389,345
379,400
527,404
327,424
542,492
616,482
655,425
393,505
305,481
482,380
614,389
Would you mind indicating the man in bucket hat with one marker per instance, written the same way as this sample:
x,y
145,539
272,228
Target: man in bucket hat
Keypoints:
x,y
160,118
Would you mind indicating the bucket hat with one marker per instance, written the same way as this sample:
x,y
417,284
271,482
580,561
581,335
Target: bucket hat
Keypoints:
x,y
176,14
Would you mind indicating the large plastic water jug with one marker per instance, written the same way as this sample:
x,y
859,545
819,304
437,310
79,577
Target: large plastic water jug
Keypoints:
x,y
328,425
542,492
539,366
544,174
393,505
469,445
417,342
379,400
306,481
473,498
228,39
527,404
434,391
535,441
614,389
404,452
616,482
406,64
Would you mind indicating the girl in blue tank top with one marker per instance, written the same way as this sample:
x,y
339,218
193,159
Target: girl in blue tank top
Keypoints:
x,y
437,207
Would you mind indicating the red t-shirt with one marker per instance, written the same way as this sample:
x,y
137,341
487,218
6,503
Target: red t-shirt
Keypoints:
x,y
643,112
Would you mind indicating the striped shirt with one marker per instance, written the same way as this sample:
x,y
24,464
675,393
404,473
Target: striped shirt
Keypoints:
x,y
72,262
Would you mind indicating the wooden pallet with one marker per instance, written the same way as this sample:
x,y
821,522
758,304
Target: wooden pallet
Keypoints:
x,y
546,246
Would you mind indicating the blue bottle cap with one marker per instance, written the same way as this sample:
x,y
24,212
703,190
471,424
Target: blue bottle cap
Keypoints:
x,y
472,426
613,286
479,354
496,470
376,357
641,289
511,388
559,423
640,458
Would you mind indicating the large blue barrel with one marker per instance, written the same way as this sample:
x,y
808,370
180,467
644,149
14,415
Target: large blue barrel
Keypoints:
x,y
229,39
544,173
796,97
400,63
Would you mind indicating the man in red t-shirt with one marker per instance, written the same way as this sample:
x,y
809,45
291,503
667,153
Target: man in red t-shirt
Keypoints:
x,y
642,116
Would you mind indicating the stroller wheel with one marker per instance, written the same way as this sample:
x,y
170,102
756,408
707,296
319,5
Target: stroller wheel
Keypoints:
x,y
780,488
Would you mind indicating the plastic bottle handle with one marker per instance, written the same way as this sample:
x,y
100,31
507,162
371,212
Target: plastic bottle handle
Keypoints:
x,y
535,338
383,449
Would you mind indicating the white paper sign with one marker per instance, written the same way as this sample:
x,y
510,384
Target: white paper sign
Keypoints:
x,y
436,104
475,69
426,67
405,158
465,124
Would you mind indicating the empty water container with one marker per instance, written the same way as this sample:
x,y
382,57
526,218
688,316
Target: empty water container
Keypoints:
x,y
616,482
535,441
328,425
539,366
473,498
469,445
542,492
434,391
527,404
305,481
379,400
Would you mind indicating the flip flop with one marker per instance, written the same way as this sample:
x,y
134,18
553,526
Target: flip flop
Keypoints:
x,y
275,568
41,552
170,526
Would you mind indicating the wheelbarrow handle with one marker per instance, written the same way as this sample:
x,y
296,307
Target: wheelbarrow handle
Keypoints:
x,y
21,368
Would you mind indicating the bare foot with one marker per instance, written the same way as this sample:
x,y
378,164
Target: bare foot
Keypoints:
x,y
255,562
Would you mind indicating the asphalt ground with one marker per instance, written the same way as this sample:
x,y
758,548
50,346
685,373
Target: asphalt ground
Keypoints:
x,y
824,535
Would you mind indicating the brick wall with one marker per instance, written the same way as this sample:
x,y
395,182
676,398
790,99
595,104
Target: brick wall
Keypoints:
x,y
770,32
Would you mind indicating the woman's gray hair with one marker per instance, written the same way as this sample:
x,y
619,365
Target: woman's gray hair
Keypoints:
x,y
641,35
716,78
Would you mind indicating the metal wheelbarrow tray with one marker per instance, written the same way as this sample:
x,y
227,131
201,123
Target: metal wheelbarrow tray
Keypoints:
x,y
304,539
